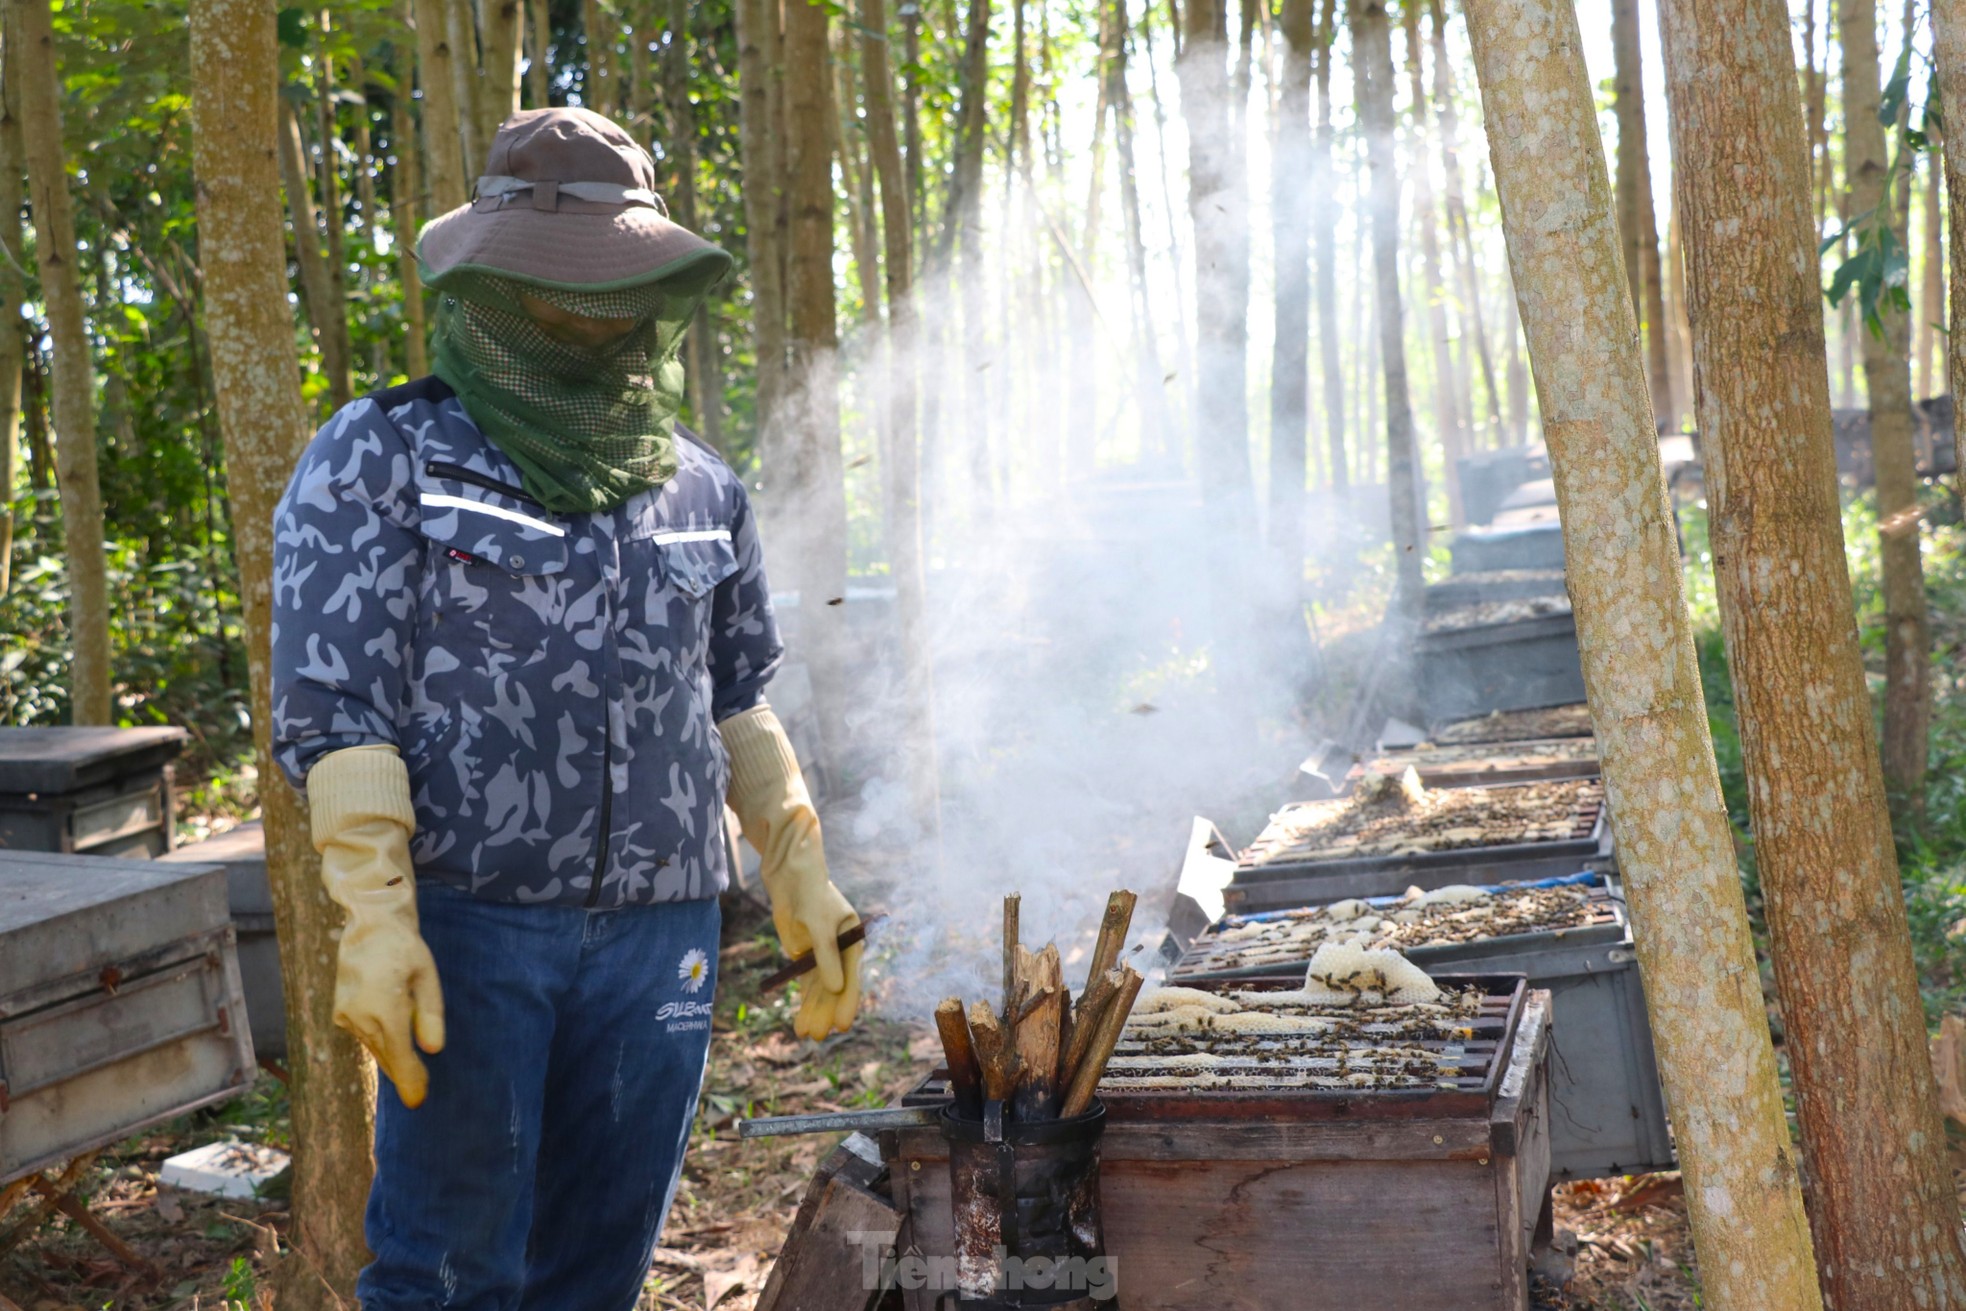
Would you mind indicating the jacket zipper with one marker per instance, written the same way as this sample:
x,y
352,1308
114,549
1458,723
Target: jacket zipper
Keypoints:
x,y
446,469
607,805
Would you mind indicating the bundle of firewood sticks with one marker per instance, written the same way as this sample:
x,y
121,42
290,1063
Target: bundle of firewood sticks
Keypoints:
x,y
1041,1055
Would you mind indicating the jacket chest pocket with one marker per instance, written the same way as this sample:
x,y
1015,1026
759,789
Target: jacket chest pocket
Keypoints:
x,y
680,569
493,580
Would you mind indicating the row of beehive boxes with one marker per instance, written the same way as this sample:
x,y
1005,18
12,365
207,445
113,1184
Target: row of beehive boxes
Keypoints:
x,y
1510,802
121,1002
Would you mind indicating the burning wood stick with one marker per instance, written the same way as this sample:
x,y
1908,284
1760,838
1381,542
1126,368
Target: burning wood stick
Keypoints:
x,y
965,1074
1036,1036
1112,932
1098,995
1011,945
1112,1020
993,1052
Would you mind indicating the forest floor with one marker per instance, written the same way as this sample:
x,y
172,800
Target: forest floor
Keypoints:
x,y
737,1199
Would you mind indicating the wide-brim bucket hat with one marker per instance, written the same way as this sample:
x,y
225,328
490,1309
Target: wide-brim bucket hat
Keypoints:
x,y
567,200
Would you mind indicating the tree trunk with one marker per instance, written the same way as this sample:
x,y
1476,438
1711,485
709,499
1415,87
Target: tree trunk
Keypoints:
x,y
1816,92
500,33
1183,343
538,71
1674,838
1518,378
13,290
74,370
325,304
856,182
405,188
1158,424
461,25
758,137
1854,1030
1324,216
1447,398
1932,289
962,232
1679,330
443,145
1218,205
818,480
327,171
600,91
368,219
900,443
1636,222
1290,351
1887,378
706,399
1460,238
1373,70
1675,845
1949,54
234,75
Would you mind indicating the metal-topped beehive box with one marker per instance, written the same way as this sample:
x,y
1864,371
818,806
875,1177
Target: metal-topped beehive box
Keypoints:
x,y
1570,936
99,791
119,1002
1502,654
1379,841
1325,1195
1486,764
1532,723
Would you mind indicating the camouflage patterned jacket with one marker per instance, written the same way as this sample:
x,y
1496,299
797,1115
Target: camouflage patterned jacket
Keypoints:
x,y
550,680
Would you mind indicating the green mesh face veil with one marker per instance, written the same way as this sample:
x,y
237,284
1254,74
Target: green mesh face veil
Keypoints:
x,y
588,426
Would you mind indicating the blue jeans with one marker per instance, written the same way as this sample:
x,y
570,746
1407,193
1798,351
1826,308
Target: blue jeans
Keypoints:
x,y
540,1168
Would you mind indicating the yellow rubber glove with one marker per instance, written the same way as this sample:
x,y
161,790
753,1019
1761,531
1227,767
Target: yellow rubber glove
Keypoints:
x,y
768,795
385,985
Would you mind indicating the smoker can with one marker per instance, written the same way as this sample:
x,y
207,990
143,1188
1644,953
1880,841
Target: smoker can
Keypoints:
x,y
1025,1202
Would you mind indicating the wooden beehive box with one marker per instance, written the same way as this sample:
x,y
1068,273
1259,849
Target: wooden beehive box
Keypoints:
x,y
1313,1201
99,791
120,1002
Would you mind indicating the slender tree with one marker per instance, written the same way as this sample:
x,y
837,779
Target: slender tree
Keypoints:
x,y
705,378
1949,57
500,23
759,136
56,256
601,91
1460,235
1675,845
900,436
405,203
1324,212
817,478
1835,909
1932,286
234,139
1448,422
13,290
443,143
962,233
1158,436
1635,217
461,27
1372,59
540,44
1290,350
326,299
1218,207
1887,377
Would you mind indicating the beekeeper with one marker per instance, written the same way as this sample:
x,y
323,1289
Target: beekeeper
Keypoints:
x,y
521,637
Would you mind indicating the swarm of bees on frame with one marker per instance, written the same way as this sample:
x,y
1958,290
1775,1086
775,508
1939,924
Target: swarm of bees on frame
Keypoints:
x,y
1419,919
1362,1020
